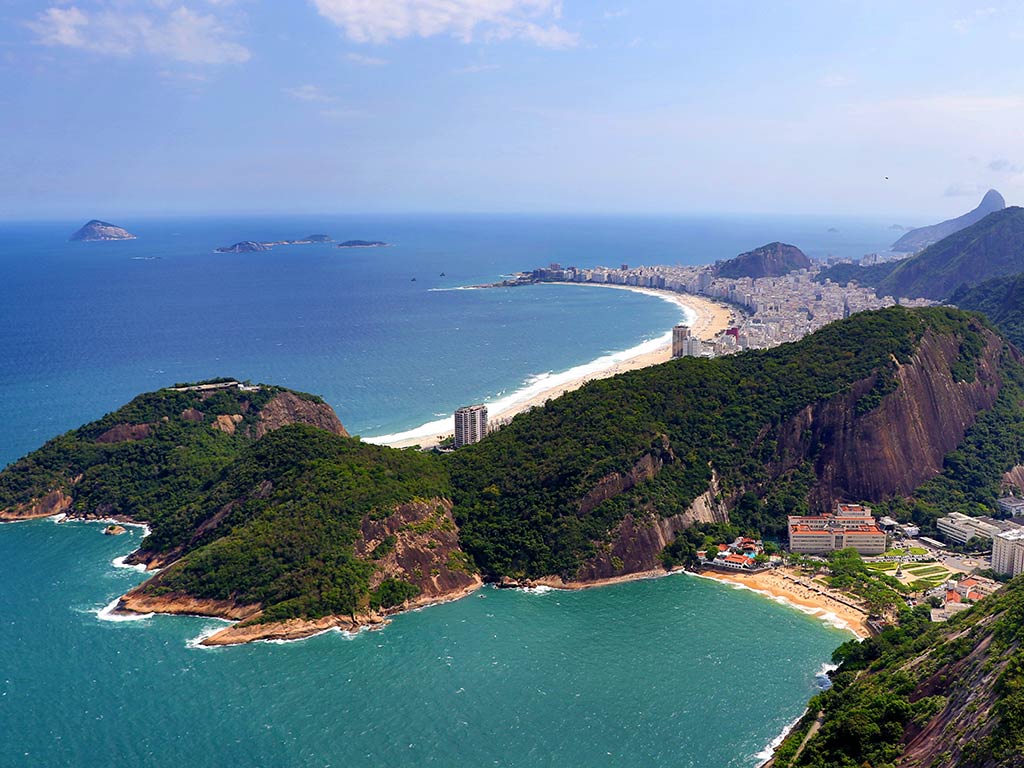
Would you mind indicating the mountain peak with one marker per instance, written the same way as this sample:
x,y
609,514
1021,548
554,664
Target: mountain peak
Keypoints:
x,y
920,238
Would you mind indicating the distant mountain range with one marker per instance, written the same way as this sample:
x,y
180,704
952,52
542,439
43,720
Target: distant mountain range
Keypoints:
x,y
772,260
990,248
916,239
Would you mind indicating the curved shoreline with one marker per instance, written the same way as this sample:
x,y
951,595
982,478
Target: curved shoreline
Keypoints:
x,y
706,318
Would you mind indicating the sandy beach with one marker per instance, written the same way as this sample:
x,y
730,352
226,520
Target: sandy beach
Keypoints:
x,y
707,319
789,585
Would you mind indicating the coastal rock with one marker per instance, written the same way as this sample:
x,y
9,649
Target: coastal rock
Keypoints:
x,y
289,408
245,246
137,601
55,502
114,530
922,237
101,230
772,260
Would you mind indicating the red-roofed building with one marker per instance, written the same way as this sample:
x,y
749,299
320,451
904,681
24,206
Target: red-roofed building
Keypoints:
x,y
852,525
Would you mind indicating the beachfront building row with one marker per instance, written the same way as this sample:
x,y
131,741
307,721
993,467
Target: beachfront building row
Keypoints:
x,y
470,424
1008,552
850,526
960,528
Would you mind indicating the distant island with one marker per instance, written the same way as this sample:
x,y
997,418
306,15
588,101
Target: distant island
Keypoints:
x,y
250,246
101,230
363,244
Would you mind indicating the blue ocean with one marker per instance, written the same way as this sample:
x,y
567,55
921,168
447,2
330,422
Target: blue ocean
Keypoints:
x,y
673,672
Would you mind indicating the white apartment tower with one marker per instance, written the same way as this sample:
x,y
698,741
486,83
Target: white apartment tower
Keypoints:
x,y
470,424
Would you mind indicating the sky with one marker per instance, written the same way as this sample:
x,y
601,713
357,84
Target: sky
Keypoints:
x,y
158,107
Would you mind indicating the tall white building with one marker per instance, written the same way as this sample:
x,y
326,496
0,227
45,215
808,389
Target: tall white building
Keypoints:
x,y
470,424
1008,552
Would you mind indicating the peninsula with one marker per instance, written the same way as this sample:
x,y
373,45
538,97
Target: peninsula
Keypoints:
x,y
101,230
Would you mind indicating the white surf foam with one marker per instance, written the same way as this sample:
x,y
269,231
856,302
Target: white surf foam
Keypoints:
x,y
766,754
538,383
106,613
119,562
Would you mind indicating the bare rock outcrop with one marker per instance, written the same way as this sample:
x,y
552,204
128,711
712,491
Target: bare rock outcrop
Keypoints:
x,y
288,408
418,543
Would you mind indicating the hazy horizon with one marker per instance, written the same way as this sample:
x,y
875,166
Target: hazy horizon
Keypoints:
x,y
128,108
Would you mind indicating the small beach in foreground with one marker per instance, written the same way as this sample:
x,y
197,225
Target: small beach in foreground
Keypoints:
x,y
706,319
784,585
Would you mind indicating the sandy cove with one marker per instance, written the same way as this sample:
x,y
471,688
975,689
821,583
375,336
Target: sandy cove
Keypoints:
x,y
710,318
790,585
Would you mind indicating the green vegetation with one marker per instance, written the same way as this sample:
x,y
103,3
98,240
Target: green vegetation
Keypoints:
x,y
889,688
993,247
521,496
294,502
1001,299
869,276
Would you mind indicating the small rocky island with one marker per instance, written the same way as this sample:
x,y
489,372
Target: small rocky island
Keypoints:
x,y
249,246
245,246
363,244
114,530
101,230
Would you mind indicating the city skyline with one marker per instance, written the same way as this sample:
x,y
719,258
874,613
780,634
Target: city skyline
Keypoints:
x,y
155,107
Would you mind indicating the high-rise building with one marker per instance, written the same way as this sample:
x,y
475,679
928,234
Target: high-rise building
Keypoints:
x,y
470,424
1008,552
680,337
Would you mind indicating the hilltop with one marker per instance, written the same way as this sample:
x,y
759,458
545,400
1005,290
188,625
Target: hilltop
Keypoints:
x,y
922,237
101,230
263,510
772,260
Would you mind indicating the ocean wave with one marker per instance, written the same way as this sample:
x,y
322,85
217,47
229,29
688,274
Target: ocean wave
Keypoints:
x,y
766,754
106,613
119,562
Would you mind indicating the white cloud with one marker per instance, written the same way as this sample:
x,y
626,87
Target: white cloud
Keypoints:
x,y
470,69
377,21
1005,166
308,93
365,61
180,33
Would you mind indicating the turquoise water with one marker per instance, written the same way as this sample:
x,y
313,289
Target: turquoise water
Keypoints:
x,y
677,671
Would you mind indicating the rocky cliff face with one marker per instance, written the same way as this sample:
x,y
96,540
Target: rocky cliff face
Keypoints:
x,y
638,541
418,543
900,444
